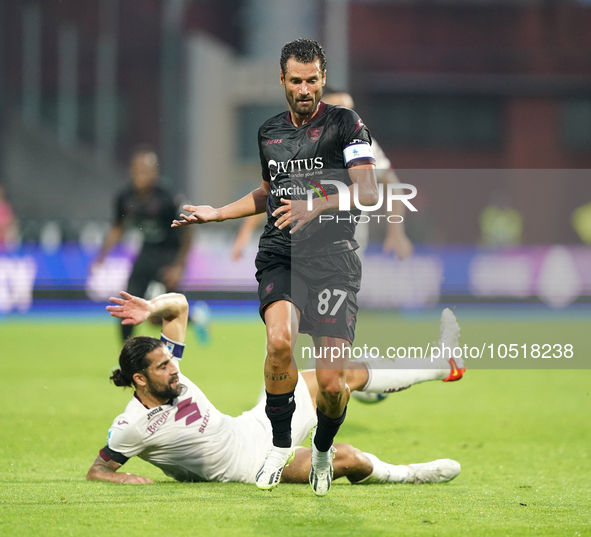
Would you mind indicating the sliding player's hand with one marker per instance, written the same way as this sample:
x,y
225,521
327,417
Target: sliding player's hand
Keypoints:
x,y
200,214
295,212
130,479
132,309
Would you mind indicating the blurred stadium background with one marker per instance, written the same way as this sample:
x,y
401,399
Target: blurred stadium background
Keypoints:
x,y
473,102
484,105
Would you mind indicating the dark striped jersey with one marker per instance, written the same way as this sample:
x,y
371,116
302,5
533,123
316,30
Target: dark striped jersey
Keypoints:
x,y
151,214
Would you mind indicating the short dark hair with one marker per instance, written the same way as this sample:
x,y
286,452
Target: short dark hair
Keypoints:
x,y
303,51
133,359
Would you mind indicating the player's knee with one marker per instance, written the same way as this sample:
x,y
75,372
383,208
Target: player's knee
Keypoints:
x,y
358,460
332,387
346,453
278,347
352,462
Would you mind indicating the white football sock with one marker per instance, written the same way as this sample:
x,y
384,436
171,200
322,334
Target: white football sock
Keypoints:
x,y
385,473
387,376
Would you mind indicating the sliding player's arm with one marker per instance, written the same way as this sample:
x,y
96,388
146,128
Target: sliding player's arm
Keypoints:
x,y
174,311
171,307
253,203
103,470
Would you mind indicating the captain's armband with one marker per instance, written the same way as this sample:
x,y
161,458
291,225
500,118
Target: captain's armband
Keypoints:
x,y
174,347
358,152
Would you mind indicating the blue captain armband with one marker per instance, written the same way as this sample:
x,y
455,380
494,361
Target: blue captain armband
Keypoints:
x,y
174,347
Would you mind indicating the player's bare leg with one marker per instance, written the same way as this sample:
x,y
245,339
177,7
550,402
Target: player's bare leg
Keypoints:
x,y
367,469
281,377
331,374
331,400
282,320
392,375
358,379
309,377
348,461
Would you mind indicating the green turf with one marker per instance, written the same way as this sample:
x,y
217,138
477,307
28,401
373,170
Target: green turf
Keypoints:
x,y
522,438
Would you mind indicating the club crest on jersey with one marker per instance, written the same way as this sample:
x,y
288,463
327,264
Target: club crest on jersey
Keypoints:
x,y
313,133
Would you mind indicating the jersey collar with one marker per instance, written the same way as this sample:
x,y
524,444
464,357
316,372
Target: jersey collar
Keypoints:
x,y
169,402
321,109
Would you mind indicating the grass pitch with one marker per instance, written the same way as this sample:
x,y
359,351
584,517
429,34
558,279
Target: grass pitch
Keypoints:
x,y
522,438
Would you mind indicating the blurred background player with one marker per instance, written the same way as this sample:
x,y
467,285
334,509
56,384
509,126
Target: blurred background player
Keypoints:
x,y
395,241
8,223
148,207
581,221
501,225
171,424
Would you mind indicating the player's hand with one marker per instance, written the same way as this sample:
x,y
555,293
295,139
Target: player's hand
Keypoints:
x,y
200,214
130,479
293,212
132,309
398,244
238,247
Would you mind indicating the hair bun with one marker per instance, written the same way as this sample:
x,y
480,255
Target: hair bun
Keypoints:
x,y
118,379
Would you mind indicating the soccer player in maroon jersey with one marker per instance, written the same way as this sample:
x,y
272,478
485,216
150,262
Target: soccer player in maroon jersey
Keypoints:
x,y
307,268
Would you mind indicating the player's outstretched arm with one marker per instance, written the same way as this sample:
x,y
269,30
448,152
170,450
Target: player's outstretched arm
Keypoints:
x,y
171,307
253,203
102,470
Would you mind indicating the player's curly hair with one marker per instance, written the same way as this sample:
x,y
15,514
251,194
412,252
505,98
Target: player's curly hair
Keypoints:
x,y
303,51
133,359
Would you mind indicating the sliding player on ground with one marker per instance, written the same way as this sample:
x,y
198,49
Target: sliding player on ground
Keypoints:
x,y
171,424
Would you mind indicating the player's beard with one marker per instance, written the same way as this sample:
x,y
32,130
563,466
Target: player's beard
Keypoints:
x,y
300,108
165,392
